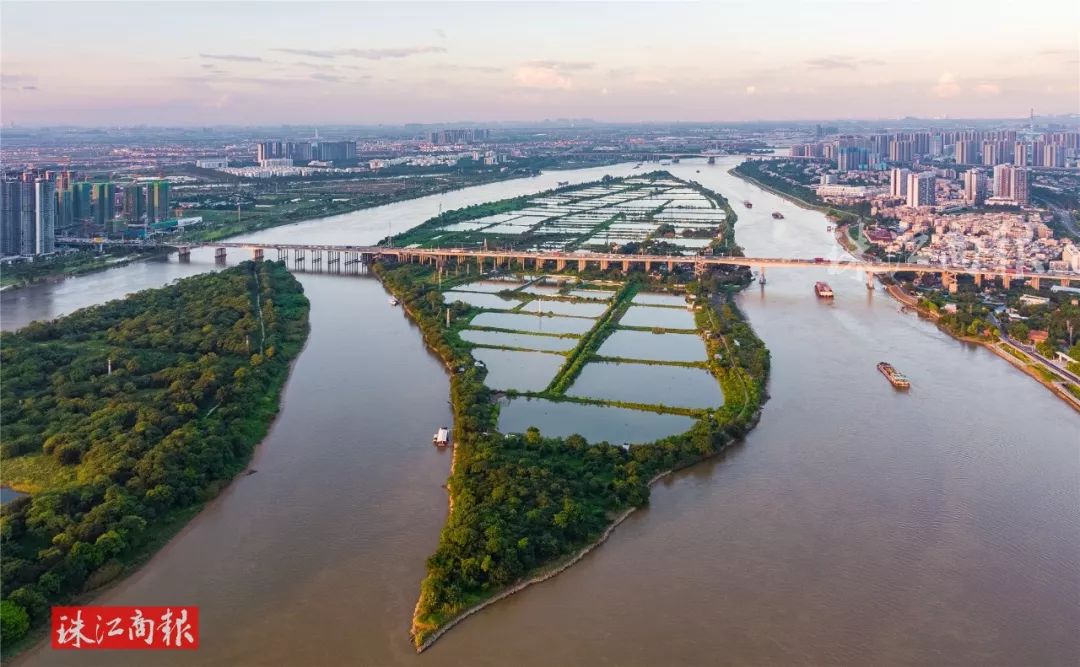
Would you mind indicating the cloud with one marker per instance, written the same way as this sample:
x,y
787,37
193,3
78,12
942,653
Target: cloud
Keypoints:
x,y
231,57
469,68
367,54
946,86
842,62
562,65
550,74
320,76
542,78
751,90
988,89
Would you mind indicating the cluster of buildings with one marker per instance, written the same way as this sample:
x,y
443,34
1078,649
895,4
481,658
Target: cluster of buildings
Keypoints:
x,y
990,239
37,204
965,147
458,136
305,151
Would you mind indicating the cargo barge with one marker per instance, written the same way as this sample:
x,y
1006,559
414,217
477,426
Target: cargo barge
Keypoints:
x,y
895,377
823,290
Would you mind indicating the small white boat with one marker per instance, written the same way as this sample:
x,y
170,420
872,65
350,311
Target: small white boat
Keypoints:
x,y
393,301
441,437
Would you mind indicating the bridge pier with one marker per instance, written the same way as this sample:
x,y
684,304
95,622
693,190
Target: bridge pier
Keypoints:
x,y
560,264
1035,283
670,266
626,266
1006,281
948,280
869,280
219,255
648,265
604,264
257,254
316,261
761,275
581,265
183,253
333,259
282,254
978,279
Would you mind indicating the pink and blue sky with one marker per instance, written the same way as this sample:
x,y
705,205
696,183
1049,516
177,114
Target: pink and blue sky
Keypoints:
x,y
191,63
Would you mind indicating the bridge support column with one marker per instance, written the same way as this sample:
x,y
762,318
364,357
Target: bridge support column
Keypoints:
x,y
219,255
978,279
761,275
257,254
560,264
184,253
580,265
670,266
282,254
948,281
1006,281
316,260
626,266
1035,283
699,268
648,265
869,280
604,264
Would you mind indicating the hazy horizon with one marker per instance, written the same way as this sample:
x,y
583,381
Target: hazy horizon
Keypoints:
x,y
251,64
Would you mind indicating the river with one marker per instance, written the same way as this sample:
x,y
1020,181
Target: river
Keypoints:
x,y
856,525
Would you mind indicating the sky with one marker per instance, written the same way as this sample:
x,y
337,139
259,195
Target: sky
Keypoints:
x,y
247,63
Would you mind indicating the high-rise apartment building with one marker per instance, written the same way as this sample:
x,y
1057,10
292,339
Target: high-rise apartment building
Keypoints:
x,y
900,150
9,217
134,204
898,182
967,152
1020,154
104,202
1003,181
157,201
921,189
27,216
974,187
44,217
1053,155
1021,190
265,150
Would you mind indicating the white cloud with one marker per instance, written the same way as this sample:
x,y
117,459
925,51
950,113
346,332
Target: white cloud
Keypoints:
x,y
946,85
542,78
988,89
751,90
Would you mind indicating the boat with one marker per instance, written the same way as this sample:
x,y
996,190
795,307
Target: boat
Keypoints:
x,y
748,204
441,437
823,290
393,301
895,377
563,184
778,215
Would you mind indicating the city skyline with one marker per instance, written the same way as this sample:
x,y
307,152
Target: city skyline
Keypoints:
x,y
251,63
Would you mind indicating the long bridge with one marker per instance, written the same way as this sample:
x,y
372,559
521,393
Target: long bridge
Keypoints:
x,y
341,255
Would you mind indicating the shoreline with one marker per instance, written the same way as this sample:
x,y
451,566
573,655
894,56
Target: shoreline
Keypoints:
x,y
910,301
568,561
556,567
181,522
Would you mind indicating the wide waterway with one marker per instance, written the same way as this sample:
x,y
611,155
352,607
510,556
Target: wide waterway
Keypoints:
x,y
856,524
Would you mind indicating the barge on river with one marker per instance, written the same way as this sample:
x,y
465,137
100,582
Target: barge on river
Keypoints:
x,y
823,290
895,377
441,437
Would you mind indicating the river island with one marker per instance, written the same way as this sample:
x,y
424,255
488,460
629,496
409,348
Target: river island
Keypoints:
x,y
524,343
122,420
